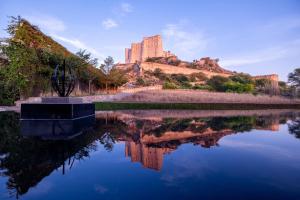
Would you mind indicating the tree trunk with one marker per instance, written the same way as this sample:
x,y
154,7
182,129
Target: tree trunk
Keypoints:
x,y
90,87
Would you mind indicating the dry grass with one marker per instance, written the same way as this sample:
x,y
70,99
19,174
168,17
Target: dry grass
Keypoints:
x,y
192,96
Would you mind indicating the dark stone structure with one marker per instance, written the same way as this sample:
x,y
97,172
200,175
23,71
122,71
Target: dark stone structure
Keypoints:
x,y
60,117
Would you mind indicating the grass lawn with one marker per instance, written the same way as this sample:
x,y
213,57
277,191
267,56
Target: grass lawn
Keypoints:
x,y
190,106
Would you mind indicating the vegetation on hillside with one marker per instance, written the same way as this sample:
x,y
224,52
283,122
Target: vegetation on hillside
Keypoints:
x,y
206,64
236,83
32,57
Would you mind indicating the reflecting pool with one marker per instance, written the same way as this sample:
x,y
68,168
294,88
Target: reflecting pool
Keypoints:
x,y
157,155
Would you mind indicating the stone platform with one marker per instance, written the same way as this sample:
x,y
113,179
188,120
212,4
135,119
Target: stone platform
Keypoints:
x,y
56,117
56,110
60,100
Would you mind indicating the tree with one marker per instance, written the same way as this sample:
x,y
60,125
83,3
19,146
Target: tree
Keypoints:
x,y
107,65
294,128
106,68
113,77
242,78
86,61
262,85
294,80
87,57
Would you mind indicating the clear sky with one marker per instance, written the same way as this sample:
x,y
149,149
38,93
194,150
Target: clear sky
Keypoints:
x,y
254,36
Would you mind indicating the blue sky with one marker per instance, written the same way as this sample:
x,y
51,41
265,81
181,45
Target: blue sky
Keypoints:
x,y
255,36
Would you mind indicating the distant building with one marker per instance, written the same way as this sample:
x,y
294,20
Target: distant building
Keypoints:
x,y
150,47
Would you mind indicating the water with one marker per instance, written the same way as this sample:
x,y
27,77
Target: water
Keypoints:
x,y
157,155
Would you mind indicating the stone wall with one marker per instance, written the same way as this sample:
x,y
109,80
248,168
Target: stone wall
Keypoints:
x,y
273,78
152,47
127,55
135,52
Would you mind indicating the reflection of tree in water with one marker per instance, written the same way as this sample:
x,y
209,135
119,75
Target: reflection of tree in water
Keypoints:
x,y
26,161
294,127
198,125
237,124
107,140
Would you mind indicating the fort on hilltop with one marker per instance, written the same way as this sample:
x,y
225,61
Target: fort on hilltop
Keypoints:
x,y
149,47
148,55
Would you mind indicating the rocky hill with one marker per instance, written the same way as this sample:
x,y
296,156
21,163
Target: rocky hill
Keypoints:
x,y
206,64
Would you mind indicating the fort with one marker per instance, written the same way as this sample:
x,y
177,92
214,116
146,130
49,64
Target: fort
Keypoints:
x,y
149,47
149,55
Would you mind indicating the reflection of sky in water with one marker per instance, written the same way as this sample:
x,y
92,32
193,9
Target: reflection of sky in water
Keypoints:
x,y
251,165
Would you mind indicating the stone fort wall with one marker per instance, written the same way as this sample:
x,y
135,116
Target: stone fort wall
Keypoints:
x,y
149,47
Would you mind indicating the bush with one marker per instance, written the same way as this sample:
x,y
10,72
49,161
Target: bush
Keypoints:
x,y
140,81
261,83
8,91
174,62
153,59
185,85
198,77
242,78
179,78
223,84
262,86
217,83
158,73
232,86
169,85
201,87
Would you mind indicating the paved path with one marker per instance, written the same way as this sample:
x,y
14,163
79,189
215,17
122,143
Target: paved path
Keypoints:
x,y
86,99
9,108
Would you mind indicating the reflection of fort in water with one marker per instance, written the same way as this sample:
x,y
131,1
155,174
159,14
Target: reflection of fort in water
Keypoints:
x,y
149,149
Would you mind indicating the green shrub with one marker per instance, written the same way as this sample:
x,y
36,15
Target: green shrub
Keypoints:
x,y
262,86
201,87
180,78
169,85
223,84
242,78
174,62
217,83
158,73
153,59
232,86
140,81
261,83
186,85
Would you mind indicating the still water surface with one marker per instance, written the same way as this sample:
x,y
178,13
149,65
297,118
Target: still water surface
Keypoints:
x,y
157,155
